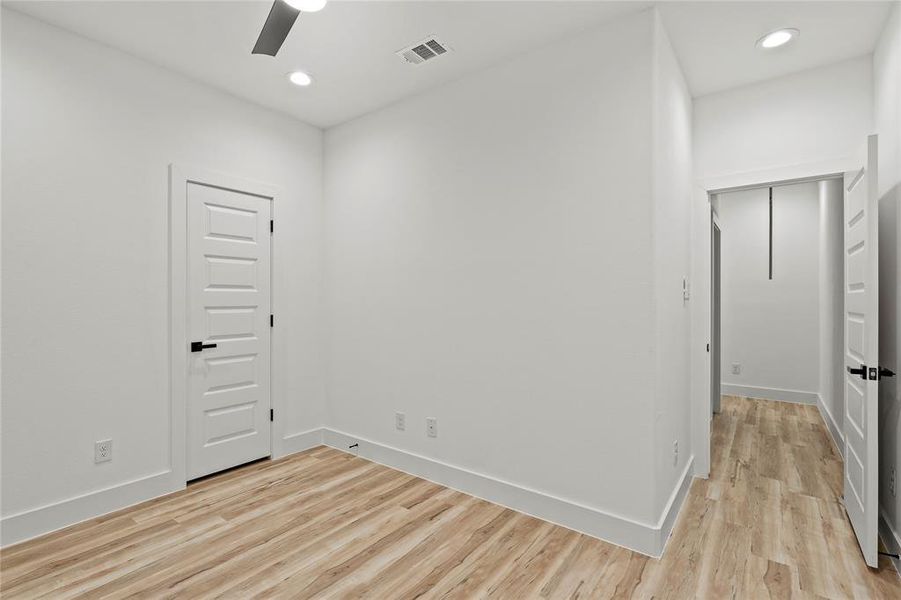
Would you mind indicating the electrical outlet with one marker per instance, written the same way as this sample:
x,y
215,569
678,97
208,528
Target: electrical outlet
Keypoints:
x,y
400,421
676,452
736,368
103,451
431,427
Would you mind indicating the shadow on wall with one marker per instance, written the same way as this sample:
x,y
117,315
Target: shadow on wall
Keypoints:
x,y
889,343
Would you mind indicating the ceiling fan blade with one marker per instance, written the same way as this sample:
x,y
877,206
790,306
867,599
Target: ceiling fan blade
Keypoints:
x,y
278,24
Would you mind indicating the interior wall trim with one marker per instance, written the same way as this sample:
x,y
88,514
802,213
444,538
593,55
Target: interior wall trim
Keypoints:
x,y
835,431
673,508
890,539
52,517
763,393
58,515
646,538
298,442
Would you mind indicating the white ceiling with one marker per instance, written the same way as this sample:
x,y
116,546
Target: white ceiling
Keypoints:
x,y
349,47
715,41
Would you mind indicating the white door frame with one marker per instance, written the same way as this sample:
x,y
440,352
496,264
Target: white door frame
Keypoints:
x,y
716,300
179,177
700,358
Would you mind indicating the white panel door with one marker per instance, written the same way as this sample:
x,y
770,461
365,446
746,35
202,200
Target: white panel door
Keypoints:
x,y
862,353
228,312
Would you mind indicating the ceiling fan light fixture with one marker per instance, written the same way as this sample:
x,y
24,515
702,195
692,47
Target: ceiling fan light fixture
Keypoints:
x,y
306,5
780,37
300,78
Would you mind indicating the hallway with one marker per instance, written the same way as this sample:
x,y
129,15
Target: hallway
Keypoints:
x,y
767,524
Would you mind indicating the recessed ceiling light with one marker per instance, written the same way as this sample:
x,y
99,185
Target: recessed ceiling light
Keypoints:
x,y
777,38
307,5
300,78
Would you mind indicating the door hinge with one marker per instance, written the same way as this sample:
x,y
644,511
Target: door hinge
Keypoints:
x,y
271,320
271,225
272,414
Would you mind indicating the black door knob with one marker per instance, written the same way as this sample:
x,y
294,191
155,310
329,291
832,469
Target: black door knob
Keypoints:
x,y
199,346
862,371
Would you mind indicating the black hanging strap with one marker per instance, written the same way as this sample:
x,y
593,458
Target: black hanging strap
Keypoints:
x,y
771,233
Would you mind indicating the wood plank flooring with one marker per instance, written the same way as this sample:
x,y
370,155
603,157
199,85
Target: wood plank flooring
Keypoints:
x,y
323,524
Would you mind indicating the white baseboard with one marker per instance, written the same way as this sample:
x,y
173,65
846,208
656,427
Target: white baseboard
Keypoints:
x,y
834,431
674,506
762,393
890,538
52,517
298,442
646,538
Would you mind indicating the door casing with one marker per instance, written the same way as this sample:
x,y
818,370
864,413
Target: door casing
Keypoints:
x,y
704,189
179,178
716,377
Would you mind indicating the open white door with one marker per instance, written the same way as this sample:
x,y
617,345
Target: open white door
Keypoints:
x,y
862,353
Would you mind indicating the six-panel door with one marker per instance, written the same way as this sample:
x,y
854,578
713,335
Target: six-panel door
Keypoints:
x,y
861,422
228,305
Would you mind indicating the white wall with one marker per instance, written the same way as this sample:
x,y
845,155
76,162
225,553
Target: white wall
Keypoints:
x,y
490,249
887,109
815,117
490,264
87,135
831,306
771,327
671,217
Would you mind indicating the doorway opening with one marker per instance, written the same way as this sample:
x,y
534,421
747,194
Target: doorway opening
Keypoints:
x,y
777,351
794,294
777,295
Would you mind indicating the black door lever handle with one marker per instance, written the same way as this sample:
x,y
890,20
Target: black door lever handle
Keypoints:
x,y
200,346
862,371
883,372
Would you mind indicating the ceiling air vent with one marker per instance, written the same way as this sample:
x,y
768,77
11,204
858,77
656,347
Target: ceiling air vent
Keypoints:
x,y
420,52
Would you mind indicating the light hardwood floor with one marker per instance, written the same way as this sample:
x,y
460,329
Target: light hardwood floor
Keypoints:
x,y
323,524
